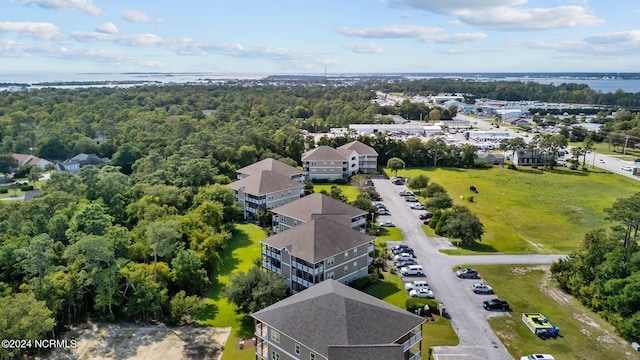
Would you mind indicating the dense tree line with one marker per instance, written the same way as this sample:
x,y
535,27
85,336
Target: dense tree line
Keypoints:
x,y
604,274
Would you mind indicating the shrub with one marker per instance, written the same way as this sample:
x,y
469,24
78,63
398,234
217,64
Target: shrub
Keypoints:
x,y
361,283
4,190
414,304
26,187
340,181
320,181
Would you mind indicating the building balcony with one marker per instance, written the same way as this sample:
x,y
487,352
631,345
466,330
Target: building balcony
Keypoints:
x,y
271,254
371,248
301,281
307,269
271,268
415,356
359,222
262,331
416,338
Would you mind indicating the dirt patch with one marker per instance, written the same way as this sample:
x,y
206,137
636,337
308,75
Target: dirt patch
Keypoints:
x,y
129,341
553,291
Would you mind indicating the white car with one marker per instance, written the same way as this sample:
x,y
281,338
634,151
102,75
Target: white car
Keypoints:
x,y
538,357
482,288
423,293
402,257
417,207
600,161
416,285
387,223
626,168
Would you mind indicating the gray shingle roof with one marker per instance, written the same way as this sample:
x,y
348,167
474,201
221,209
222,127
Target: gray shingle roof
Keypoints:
x,y
359,147
333,314
319,239
324,153
310,206
265,182
272,165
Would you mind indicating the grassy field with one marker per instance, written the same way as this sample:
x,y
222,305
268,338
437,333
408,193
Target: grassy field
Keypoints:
x,y
529,210
583,334
237,257
630,153
350,191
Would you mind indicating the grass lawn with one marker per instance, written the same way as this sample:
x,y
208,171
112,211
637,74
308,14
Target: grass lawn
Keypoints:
x,y
630,153
350,191
243,249
530,210
583,335
439,333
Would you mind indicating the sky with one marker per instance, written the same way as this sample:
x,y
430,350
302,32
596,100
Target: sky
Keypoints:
x,y
309,36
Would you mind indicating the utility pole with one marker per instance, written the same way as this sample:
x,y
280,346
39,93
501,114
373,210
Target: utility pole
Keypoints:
x,y
626,141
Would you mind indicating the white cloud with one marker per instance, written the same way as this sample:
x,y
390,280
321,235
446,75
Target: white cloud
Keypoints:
x,y
137,16
528,19
364,48
423,33
107,28
624,38
38,30
140,40
10,48
454,6
85,6
508,15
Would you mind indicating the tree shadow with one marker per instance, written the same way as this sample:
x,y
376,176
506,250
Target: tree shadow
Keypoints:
x,y
478,247
246,329
382,289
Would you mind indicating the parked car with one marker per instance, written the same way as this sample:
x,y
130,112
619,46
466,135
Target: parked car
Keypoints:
x,y
417,206
538,357
495,304
405,192
600,161
426,221
398,182
416,285
383,211
402,257
636,160
422,293
411,270
467,273
482,288
405,263
425,216
404,249
401,246
387,223
411,199
626,168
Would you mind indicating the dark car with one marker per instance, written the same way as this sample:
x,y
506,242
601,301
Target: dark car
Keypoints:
x,y
398,182
495,304
395,248
405,249
401,264
425,216
467,273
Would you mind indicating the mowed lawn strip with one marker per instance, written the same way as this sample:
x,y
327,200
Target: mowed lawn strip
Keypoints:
x,y
350,191
529,210
531,289
239,255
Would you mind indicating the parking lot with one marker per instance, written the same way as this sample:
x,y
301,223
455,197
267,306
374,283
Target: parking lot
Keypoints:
x,y
468,318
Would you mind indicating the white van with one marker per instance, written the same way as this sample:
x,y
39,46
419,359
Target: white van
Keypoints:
x,y
412,270
538,357
416,285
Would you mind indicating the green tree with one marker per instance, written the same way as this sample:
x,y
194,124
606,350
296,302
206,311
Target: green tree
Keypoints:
x,y
163,238
462,224
359,181
588,146
126,156
37,257
183,307
418,183
255,290
395,164
23,317
627,212
188,273
144,296
90,219
264,217
34,175
439,201
7,164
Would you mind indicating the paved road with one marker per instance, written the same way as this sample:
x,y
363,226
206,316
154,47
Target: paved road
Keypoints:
x,y
468,318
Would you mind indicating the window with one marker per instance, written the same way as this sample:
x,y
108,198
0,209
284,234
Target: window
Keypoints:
x,y
330,275
346,254
297,347
355,265
355,251
331,261
275,355
275,336
346,269
312,356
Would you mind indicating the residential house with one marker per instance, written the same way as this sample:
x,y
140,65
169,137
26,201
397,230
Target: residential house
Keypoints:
x,y
74,164
528,157
314,206
367,156
334,321
324,248
325,162
266,189
271,165
491,158
30,160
